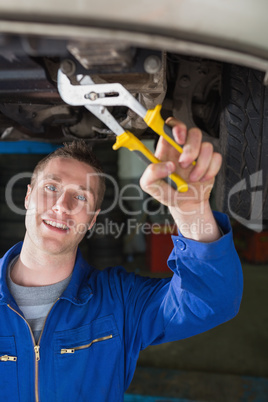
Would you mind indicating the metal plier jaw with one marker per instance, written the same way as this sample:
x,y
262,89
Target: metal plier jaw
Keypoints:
x,y
96,97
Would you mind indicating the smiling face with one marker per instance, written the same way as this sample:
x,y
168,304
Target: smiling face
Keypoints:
x,y
61,206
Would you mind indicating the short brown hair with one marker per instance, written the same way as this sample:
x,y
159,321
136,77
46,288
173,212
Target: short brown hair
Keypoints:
x,y
80,151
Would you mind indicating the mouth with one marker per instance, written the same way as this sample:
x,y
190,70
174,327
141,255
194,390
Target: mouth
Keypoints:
x,y
56,225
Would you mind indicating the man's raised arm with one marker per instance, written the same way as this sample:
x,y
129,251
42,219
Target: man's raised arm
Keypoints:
x,y
191,210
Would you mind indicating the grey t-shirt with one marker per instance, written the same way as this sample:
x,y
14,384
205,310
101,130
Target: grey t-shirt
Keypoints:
x,y
35,301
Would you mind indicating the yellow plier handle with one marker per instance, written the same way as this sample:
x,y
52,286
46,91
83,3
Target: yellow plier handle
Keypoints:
x,y
154,120
129,141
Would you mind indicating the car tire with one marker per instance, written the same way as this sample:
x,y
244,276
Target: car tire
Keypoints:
x,y
242,184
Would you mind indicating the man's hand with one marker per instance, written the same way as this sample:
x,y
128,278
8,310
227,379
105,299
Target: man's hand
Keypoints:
x,y
191,208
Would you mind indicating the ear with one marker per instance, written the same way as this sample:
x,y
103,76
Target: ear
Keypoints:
x,y
92,223
26,200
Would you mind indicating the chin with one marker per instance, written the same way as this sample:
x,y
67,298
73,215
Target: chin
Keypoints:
x,y
54,246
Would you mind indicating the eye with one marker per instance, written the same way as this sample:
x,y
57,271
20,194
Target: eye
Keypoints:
x,y
50,187
81,197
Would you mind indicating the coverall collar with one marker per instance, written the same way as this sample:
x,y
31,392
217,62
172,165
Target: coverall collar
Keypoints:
x,y
78,291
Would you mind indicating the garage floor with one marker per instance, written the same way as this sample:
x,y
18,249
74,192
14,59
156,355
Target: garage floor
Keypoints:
x,y
228,363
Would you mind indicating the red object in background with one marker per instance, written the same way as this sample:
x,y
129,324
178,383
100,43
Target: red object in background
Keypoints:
x,y
251,246
159,246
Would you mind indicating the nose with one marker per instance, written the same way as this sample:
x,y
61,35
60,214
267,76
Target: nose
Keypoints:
x,y
63,204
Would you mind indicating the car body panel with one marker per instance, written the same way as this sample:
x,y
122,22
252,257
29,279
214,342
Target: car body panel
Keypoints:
x,y
239,25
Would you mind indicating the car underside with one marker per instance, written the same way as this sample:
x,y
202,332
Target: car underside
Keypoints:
x,y
220,89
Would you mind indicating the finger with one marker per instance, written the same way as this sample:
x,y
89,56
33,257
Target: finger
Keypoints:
x,y
179,129
191,148
164,151
214,167
151,181
203,162
155,172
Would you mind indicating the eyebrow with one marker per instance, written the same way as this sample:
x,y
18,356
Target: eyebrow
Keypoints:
x,y
59,180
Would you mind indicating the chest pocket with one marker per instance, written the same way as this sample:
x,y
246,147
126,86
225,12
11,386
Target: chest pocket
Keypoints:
x,y
89,358
8,369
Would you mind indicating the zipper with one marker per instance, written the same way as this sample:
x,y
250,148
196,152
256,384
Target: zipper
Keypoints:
x,y
7,358
37,354
72,350
36,348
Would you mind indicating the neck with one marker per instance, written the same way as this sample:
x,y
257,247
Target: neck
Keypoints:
x,y
40,268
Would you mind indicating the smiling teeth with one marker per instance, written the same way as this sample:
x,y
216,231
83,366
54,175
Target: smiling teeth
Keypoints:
x,y
56,225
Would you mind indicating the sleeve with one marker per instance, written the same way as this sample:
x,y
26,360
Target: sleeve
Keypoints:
x,y
205,291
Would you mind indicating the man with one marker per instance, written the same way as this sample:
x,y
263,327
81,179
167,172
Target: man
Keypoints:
x,y
94,323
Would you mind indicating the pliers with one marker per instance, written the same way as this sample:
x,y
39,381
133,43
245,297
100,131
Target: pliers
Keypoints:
x,y
95,98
